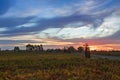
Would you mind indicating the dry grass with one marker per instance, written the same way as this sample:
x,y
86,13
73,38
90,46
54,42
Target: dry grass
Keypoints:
x,y
59,66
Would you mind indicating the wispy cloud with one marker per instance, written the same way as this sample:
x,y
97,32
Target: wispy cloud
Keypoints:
x,y
60,19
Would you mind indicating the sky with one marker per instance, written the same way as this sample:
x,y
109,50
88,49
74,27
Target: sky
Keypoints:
x,y
59,23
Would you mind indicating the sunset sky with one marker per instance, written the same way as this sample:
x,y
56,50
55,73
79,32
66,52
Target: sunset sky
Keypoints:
x,y
59,23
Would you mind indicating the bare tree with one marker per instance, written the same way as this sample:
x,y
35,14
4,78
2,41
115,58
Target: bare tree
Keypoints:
x,y
87,51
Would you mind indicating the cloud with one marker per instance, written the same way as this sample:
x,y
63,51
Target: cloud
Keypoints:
x,y
18,41
4,6
95,42
109,27
23,13
3,29
84,20
115,36
41,24
11,22
56,21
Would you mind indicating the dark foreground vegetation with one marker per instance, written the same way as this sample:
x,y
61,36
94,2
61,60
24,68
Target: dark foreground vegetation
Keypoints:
x,y
56,66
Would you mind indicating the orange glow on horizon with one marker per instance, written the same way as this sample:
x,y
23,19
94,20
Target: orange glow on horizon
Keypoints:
x,y
99,47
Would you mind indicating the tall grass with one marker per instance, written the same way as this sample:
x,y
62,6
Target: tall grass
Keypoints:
x,y
59,66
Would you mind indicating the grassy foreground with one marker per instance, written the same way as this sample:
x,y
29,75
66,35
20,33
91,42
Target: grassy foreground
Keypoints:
x,y
56,67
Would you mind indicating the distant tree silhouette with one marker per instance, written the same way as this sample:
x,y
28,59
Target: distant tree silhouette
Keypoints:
x,y
65,49
30,47
71,49
80,49
87,51
50,50
41,48
16,48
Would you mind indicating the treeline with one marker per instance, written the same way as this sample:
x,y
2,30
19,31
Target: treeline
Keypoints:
x,y
69,49
39,48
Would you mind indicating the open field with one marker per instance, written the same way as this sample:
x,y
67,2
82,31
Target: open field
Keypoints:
x,y
112,55
57,66
107,53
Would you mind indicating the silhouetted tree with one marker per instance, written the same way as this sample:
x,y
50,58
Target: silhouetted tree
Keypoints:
x,y
65,49
50,50
41,48
80,49
29,47
16,48
0,49
71,49
87,51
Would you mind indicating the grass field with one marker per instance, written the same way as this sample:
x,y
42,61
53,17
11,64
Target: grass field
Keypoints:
x,y
107,53
57,66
